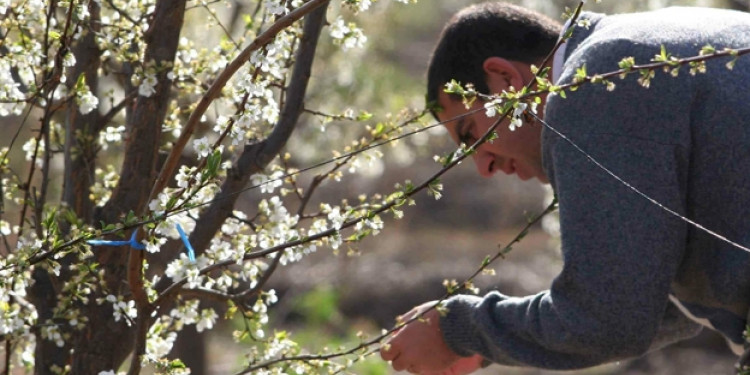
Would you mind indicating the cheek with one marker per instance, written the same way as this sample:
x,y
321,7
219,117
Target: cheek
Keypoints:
x,y
498,146
529,138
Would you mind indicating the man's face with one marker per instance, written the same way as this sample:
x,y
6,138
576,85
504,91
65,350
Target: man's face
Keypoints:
x,y
513,152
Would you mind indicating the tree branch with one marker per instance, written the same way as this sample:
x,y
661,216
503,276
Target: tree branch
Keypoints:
x,y
215,90
257,156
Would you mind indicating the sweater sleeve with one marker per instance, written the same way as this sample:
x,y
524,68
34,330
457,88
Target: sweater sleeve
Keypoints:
x,y
621,251
620,254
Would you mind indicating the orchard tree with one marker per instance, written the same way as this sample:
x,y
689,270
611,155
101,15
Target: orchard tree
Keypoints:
x,y
154,137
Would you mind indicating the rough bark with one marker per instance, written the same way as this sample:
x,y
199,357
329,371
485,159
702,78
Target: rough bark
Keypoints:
x,y
80,156
103,344
81,130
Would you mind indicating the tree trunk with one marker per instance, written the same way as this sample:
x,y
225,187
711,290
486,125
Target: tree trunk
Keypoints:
x,y
104,344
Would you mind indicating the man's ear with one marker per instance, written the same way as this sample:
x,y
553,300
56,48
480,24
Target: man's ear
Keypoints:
x,y
502,74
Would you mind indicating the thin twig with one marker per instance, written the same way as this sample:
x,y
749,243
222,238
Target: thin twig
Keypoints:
x,y
486,263
215,90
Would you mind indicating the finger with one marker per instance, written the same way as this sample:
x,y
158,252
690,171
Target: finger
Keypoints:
x,y
401,319
443,372
399,364
410,314
388,352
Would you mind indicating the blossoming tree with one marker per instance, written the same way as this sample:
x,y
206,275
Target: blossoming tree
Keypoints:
x,y
153,137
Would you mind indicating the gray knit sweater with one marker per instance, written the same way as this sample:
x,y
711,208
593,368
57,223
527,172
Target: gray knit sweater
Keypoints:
x,y
685,142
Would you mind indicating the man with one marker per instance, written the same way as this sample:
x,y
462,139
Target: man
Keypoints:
x,y
634,270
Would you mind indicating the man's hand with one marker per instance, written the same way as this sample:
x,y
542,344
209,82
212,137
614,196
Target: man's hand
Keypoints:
x,y
419,348
464,366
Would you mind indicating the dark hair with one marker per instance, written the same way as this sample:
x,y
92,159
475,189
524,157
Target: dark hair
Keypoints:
x,y
485,30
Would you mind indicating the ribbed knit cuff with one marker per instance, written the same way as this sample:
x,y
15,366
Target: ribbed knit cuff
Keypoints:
x,y
456,325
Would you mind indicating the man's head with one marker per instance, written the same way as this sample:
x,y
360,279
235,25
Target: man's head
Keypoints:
x,y
485,30
492,46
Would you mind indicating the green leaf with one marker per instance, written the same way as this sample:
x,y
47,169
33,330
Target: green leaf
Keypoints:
x,y
379,130
176,364
707,50
356,237
486,261
212,163
364,116
663,55
580,74
248,19
627,63
81,82
130,218
544,72
397,197
493,136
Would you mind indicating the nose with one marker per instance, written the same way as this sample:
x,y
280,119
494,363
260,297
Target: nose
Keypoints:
x,y
485,163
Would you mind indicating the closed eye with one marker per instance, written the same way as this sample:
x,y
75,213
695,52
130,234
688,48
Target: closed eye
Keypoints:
x,y
465,134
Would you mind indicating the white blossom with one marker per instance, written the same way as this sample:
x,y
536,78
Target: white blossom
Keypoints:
x,y
159,341
203,147
30,146
335,240
69,59
274,7
207,320
234,226
185,175
375,224
491,107
159,204
318,226
270,112
363,5
122,308
347,35
222,250
267,183
27,357
111,134
148,85
187,313
335,216
5,228
154,246
516,121
9,90
452,86
52,333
